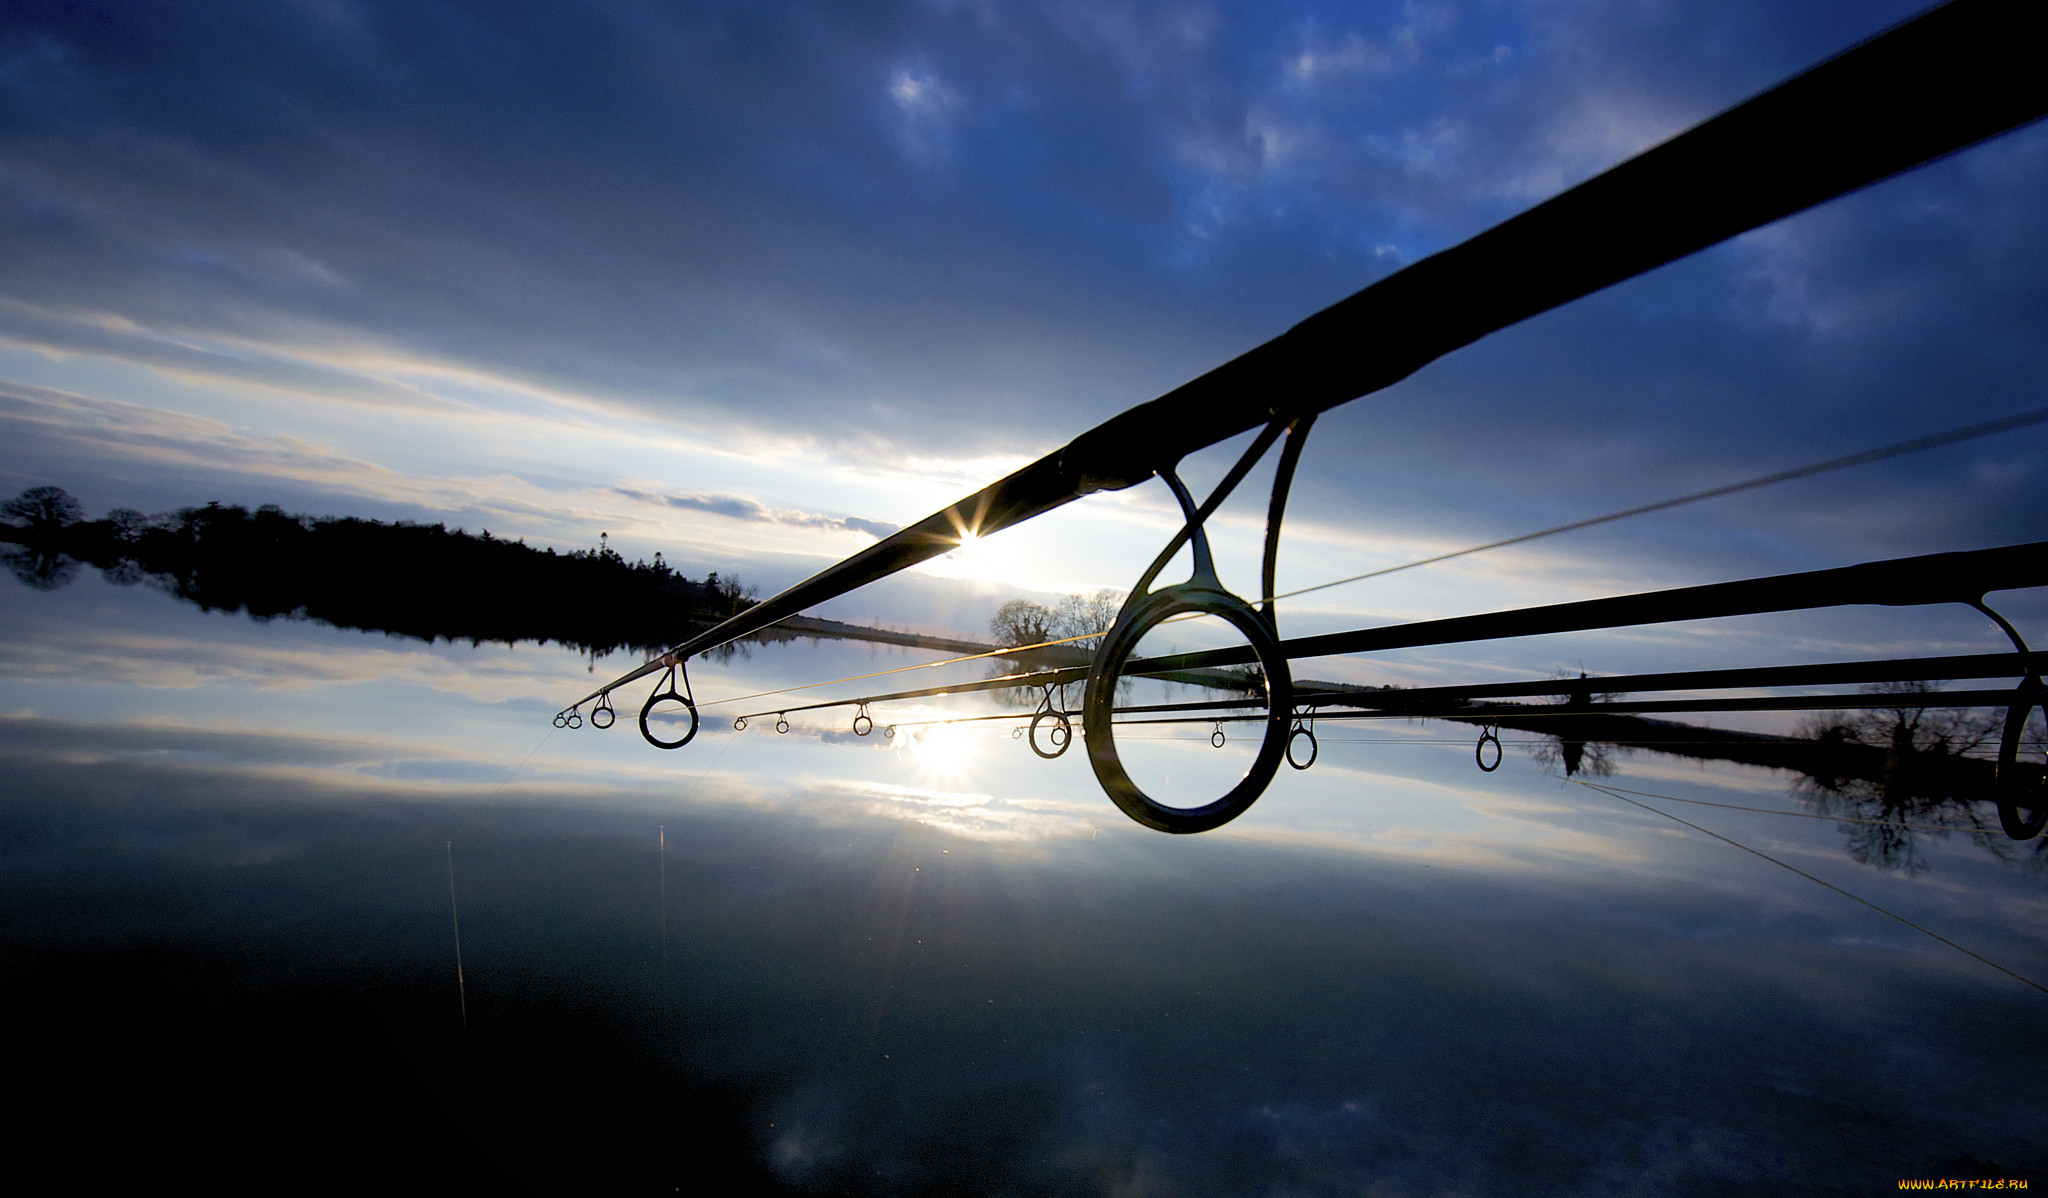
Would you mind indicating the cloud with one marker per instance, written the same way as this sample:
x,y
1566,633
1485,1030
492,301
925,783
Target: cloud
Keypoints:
x,y
1324,57
277,366
52,426
739,507
874,528
132,455
78,742
926,106
706,220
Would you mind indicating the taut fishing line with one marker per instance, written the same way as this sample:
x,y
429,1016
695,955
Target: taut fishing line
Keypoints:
x,y
1979,957
1902,448
1839,819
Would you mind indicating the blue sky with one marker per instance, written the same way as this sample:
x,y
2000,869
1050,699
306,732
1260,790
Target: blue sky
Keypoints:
x,y
751,285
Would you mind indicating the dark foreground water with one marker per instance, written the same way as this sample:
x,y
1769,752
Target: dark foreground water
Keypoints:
x,y
227,955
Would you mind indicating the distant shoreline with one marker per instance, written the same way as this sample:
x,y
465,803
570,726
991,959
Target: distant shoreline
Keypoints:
x,y
433,584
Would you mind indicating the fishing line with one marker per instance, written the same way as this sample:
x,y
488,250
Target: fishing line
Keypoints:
x,y
1817,881
522,765
1916,445
730,737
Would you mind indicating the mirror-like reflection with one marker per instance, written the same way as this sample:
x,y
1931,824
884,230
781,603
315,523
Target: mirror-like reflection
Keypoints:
x,y
1894,775
937,962
1918,792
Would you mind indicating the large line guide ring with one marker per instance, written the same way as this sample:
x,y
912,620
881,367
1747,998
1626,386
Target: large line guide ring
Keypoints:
x,y
1099,706
1201,594
666,692
1060,734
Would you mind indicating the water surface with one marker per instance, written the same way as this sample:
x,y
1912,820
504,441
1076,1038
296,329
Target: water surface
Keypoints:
x,y
934,962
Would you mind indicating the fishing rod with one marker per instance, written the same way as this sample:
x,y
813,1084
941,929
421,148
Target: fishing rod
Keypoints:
x,y
1427,701
1063,675
1945,80
1073,643
1926,580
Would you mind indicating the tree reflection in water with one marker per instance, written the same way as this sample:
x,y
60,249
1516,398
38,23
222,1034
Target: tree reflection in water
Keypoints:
x,y
1920,792
38,568
1557,754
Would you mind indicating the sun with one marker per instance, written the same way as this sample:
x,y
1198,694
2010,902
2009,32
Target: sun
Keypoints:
x,y
974,558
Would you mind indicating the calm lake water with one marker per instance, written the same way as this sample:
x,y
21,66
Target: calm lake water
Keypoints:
x,y
935,963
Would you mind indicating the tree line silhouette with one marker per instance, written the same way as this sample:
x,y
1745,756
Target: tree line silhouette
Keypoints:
x,y
417,580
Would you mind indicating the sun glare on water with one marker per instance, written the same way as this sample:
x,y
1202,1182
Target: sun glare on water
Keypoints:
x,y
943,750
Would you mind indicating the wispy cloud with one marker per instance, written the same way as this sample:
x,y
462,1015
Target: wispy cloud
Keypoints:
x,y
202,357
46,423
739,507
127,449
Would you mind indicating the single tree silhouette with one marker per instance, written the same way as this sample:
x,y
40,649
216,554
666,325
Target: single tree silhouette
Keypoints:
x,y
42,512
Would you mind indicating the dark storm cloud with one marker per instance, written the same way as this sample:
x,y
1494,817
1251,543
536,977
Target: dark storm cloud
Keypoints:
x,y
982,228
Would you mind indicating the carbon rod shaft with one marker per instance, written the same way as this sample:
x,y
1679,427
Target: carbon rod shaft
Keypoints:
x,y
1898,582
1898,669
1537,711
